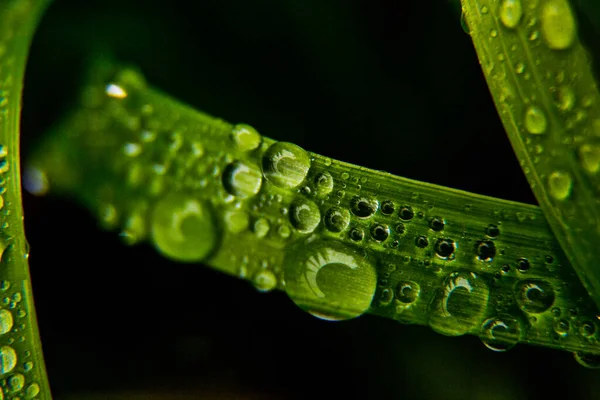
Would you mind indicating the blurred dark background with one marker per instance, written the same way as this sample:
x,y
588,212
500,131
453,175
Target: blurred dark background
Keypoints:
x,y
393,85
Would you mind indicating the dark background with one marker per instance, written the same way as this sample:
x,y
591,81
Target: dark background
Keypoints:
x,y
391,85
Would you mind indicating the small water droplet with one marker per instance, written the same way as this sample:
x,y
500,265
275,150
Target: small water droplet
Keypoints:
x,y
241,179
493,33
337,219
535,120
437,224
387,207
304,215
183,228
559,27
485,250
406,213
115,91
323,183
589,156
523,265
261,227
501,333
460,304
519,68
363,207
445,248
560,184
511,12
356,234
264,280
565,98
407,292
32,391
562,327
492,231
329,280
236,221
422,241
245,137
380,232
285,164
534,296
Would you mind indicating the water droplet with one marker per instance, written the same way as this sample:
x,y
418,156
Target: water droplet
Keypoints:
x,y
380,232
445,248
242,180
560,184
437,224
422,241
589,155
562,327
323,183
245,137
115,91
237,221
387,207
534,296
485,250
493,33
558,24
8,359
363,207
304,215
132,149
500,334
406,213
285,164
261,227
356,234
407,292
32,391
492,231
535,120
565,98
183,228
459,306
6,321
523,265
265,281
511,12
464,24
386,296
520,68
3,151
329,280
16,382
587,360
587,329
337,219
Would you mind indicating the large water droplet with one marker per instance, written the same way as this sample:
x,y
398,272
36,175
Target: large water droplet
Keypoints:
x,y
329,280
183,228
534,296
243,180
560,184
32,391
511,12
245,137
535,120
501,333
589,155
6,321
587,360
8,359
285,164
559,27
337,219
304,215
459,306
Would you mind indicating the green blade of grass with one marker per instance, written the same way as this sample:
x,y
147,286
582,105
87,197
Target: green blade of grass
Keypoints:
x,y
539,75
22,367
340,239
